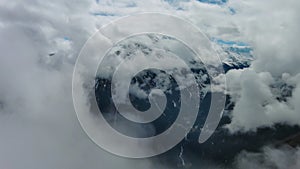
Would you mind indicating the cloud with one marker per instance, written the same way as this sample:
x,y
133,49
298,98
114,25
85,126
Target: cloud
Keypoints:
x,y
38,126
271,28
269,158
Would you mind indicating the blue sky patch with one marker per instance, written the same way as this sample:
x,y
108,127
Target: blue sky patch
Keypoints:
x,y
231,43
217,2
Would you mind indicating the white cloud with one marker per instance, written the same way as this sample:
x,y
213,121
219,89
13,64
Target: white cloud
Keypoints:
x,y
38,125
269,158
272,29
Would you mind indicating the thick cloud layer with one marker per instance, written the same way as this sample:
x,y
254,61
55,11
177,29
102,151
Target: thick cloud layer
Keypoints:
x,y
40,41
38,127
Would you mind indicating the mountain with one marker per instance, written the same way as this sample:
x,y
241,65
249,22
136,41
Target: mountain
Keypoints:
x,y
222,146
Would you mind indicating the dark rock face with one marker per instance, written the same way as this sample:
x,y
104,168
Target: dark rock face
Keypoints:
x,y
222,146
293,141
